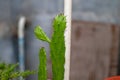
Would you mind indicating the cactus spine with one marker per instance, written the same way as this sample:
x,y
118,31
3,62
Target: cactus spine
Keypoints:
x,y
57,47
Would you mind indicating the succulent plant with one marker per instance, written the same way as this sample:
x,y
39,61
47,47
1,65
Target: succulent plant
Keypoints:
x,y
57,48
42,71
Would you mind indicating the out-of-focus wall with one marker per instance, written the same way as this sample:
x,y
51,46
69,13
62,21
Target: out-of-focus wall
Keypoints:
x,y
94,50
103,10
42,12
96,10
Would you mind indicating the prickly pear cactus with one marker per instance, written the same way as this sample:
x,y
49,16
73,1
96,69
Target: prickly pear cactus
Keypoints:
x,y
57,48
42,71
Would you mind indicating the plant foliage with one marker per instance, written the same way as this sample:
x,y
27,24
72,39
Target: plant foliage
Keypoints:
x,y
42,73
8,72
57,48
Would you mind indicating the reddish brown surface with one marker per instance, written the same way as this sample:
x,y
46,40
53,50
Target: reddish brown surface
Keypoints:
x,y
113,78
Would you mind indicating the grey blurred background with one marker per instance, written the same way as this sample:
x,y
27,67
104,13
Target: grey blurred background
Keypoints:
x,y
95,33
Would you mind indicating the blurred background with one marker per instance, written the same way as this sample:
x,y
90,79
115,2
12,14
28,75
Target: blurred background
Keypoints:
x,y
95,36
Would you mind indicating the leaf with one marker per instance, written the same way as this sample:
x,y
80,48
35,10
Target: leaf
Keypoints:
x,y
8,72
40,34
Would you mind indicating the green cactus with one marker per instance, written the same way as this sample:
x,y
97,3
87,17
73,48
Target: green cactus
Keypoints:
x,y
42,71
40,34
57,46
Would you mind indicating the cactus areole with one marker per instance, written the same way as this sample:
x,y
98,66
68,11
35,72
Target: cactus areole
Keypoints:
x,y
57,49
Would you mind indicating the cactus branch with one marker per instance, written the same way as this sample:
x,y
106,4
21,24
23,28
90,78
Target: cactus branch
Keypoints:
x,y
42,71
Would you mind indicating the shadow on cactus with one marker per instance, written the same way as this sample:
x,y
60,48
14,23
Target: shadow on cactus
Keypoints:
x,y
57,49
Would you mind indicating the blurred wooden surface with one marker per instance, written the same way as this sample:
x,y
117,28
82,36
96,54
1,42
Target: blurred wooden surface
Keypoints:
x,y
94,50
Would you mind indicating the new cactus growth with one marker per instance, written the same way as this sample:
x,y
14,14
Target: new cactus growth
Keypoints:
x,y
40,34
57,47
42,72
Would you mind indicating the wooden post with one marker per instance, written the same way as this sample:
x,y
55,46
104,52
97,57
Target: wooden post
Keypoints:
x,y
67,13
